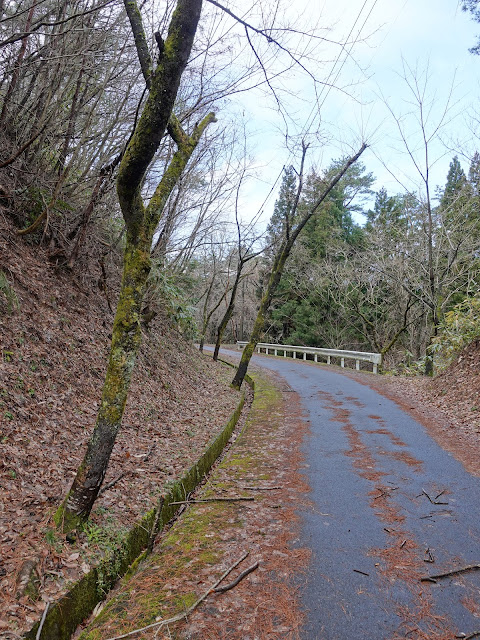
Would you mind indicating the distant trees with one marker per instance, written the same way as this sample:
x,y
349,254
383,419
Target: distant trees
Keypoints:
x,y
293,224
473,6
303,310
369,287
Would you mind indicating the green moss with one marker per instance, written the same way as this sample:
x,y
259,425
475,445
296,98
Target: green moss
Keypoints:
x,y
185,601
208,557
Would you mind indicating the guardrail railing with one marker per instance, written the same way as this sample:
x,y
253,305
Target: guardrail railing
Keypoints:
x,y
358,356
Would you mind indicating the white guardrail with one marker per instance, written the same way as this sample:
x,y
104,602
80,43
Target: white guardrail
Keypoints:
x,y
374,358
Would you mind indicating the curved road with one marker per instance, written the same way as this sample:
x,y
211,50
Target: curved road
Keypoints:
x,y
388,507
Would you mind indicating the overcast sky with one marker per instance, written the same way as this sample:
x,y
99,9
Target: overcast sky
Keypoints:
x,y
418,34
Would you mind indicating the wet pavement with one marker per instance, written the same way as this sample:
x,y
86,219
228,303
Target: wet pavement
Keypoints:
x,y
388,507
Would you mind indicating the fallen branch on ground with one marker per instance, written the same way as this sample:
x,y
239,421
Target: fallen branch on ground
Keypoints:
x,y
363,573
190,609
125,473
475,634
454,572
211,500
434,501
42,621
234,583
260,488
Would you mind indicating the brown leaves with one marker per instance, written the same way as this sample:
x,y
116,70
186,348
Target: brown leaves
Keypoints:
x,y
52,364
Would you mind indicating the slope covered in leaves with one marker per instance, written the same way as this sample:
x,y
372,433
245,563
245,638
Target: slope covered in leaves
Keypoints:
x,y
54,338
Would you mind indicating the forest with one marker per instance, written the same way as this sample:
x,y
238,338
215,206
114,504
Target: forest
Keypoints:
x,y
126,162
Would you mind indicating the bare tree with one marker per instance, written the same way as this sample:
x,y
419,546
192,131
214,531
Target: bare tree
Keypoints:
x,y
427,125
141,221
291,229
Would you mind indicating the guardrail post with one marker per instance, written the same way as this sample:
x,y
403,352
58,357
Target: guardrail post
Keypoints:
x,y
315,357
329,360
357,365
304,356
375,368
275,352
342,362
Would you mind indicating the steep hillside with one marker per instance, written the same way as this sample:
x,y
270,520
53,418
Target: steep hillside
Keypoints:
x,y
54,338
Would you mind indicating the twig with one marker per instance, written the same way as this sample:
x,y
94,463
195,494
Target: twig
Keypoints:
x,y
153,532
430,556
470,567
125,473
211,500
190,610
386,492
261,488
234,583
403,544
434,501
362,572
42,621
475,634
113,482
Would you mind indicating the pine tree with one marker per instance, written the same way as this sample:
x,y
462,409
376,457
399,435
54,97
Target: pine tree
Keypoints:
x,y
473,6
387,210
281,219
455,188
474,175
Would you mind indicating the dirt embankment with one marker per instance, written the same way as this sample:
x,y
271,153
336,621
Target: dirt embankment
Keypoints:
x,y
54,340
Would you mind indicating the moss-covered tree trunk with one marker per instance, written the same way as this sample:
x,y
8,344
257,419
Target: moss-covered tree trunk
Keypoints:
x,y
280,259
126,338
140,223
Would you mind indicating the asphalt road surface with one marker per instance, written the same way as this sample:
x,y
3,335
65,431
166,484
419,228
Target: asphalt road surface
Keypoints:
x,y
388,507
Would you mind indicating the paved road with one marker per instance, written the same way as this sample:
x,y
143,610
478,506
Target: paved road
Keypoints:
x,y
388,507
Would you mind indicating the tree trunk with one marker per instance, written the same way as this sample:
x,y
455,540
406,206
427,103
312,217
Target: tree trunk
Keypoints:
x,y
141,223
228,313
259,324
126,338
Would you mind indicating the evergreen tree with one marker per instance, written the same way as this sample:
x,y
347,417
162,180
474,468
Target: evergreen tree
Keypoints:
x,y
474,175
281,219
473,6
455,189
387,210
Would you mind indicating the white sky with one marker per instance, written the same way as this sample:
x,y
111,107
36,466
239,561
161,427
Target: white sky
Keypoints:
x,y
421,32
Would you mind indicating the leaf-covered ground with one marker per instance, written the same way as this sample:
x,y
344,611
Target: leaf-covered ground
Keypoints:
x,y
54,346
